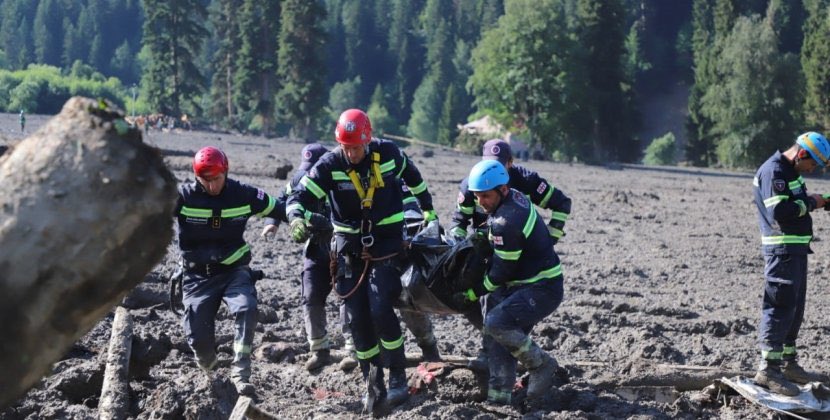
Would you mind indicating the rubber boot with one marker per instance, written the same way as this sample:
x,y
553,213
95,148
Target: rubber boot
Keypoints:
x,y
318,359
542,368
770,376
793,372
398,387
429,352
207,365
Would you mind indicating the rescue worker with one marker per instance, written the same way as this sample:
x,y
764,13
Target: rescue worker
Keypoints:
x,y
541,192
786,231
22,121
523,284
361,180
212,213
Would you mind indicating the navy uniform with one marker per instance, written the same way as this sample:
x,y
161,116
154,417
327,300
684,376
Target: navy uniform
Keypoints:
x,y
523,284
783,209
216,257
375,231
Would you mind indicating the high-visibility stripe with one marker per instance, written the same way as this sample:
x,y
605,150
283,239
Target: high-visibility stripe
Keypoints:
x,y
509,255
392,345
236,255
368,354
544,203
755,182
395,218
419,188
796,184
786,239
466,210
339,176
523,348
312,186
321,343
775,200
771,355
458,231
196,212
556,233
560,216
802,208
531,220
550,273
788,351
240,348
288,189
272,202
400,172
344,228
499,396
296,206
387,166
236,211
489,284
409,200
471,295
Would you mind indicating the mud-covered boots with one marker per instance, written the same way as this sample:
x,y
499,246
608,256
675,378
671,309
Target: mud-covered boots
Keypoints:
x,y
542,369
770,376
430,353
243,385
795,373
318,359
398,387
349,361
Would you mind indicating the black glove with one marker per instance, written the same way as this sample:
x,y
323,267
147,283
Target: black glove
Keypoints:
x,y
318,222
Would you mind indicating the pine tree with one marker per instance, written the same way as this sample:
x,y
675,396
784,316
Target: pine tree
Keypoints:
x,y
815,54
300,65
48,36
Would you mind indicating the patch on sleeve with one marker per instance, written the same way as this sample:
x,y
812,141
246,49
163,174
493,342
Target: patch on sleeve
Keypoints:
x,y
497,240
779,184
520,199
260,194
404,188
313,172
542,187
460,197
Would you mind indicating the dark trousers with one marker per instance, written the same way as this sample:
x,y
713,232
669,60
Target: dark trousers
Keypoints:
x,y
202,296
510,314
782,307
372,320
316,287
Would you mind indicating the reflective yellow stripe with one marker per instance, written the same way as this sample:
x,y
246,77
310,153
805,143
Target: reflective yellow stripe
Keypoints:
x,y
771,355
312,186
560,216
387,166
272,202
368,354
395,218
775,200
419,188
344,228
796,184
531,220
403,166
802,208
788,351
392,345
240,348
196,212
489,284
236,255
509,255
466,210
785,239
339,176
236,211
408,200
554,232
546,274
321,343
288,189
293,207
544,203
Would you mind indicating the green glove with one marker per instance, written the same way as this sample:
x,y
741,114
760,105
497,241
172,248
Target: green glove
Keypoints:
x,y
430,215
299,230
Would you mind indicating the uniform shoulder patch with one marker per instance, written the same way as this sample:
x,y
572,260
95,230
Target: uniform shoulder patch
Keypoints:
x,y
497,240
542,187
460,197
779,184
312,173
260,194
520,199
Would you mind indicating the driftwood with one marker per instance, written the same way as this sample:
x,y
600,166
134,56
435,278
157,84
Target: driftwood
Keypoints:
x,y
245,408
85,213
115,393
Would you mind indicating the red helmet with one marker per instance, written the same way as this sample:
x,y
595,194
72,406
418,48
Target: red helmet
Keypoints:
x,y
210,161
353,128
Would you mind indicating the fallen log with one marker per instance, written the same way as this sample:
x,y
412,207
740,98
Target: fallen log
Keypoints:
x,y
115,393
84,215
245,408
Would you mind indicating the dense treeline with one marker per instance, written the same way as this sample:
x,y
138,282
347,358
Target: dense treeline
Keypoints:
x,y
573,76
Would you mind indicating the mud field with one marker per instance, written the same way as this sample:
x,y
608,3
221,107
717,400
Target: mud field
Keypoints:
x,y
662,272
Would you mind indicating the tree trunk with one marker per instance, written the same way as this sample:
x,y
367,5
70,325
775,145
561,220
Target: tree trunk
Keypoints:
x,y
115,393
85,213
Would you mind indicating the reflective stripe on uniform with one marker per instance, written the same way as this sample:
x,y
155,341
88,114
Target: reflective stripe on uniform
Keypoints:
x,y
769,202
419,188
272,202
523,348
196,212
550,273
339,176
240,348
789,351
387,166
531,220
344,228
489,284
544,203
236,255
802,208
296,206
409,200
403,166
368,354
392,345
771,355
236,211
321,343
466,210
312,186
395,218
785,239
796,184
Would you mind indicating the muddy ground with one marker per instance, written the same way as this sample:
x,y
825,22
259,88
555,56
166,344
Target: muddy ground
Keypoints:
x,y
662,267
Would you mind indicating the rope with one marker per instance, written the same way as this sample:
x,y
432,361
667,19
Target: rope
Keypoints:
x,y
368,259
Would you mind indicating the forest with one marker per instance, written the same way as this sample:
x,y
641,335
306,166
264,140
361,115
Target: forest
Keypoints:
x,y
694,82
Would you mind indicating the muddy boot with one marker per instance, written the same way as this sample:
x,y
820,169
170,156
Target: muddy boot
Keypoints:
x,y
793,372
317,360
770,376
349,361
429,352
398,387
207,365
243,386
542,369
375,394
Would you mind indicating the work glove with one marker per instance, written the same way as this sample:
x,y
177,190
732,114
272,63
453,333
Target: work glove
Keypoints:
x,y
458,234
430,216
464,299
299,230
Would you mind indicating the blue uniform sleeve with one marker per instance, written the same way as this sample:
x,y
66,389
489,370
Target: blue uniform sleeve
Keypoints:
x,y
280,209
410,174
546,196
508,240
312,188
780,204
464,208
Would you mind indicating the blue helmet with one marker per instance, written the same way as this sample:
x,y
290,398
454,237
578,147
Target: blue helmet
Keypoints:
x,y
816,145
487,175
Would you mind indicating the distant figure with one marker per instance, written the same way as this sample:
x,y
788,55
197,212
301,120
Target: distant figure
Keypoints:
x,y
186,122
22,121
